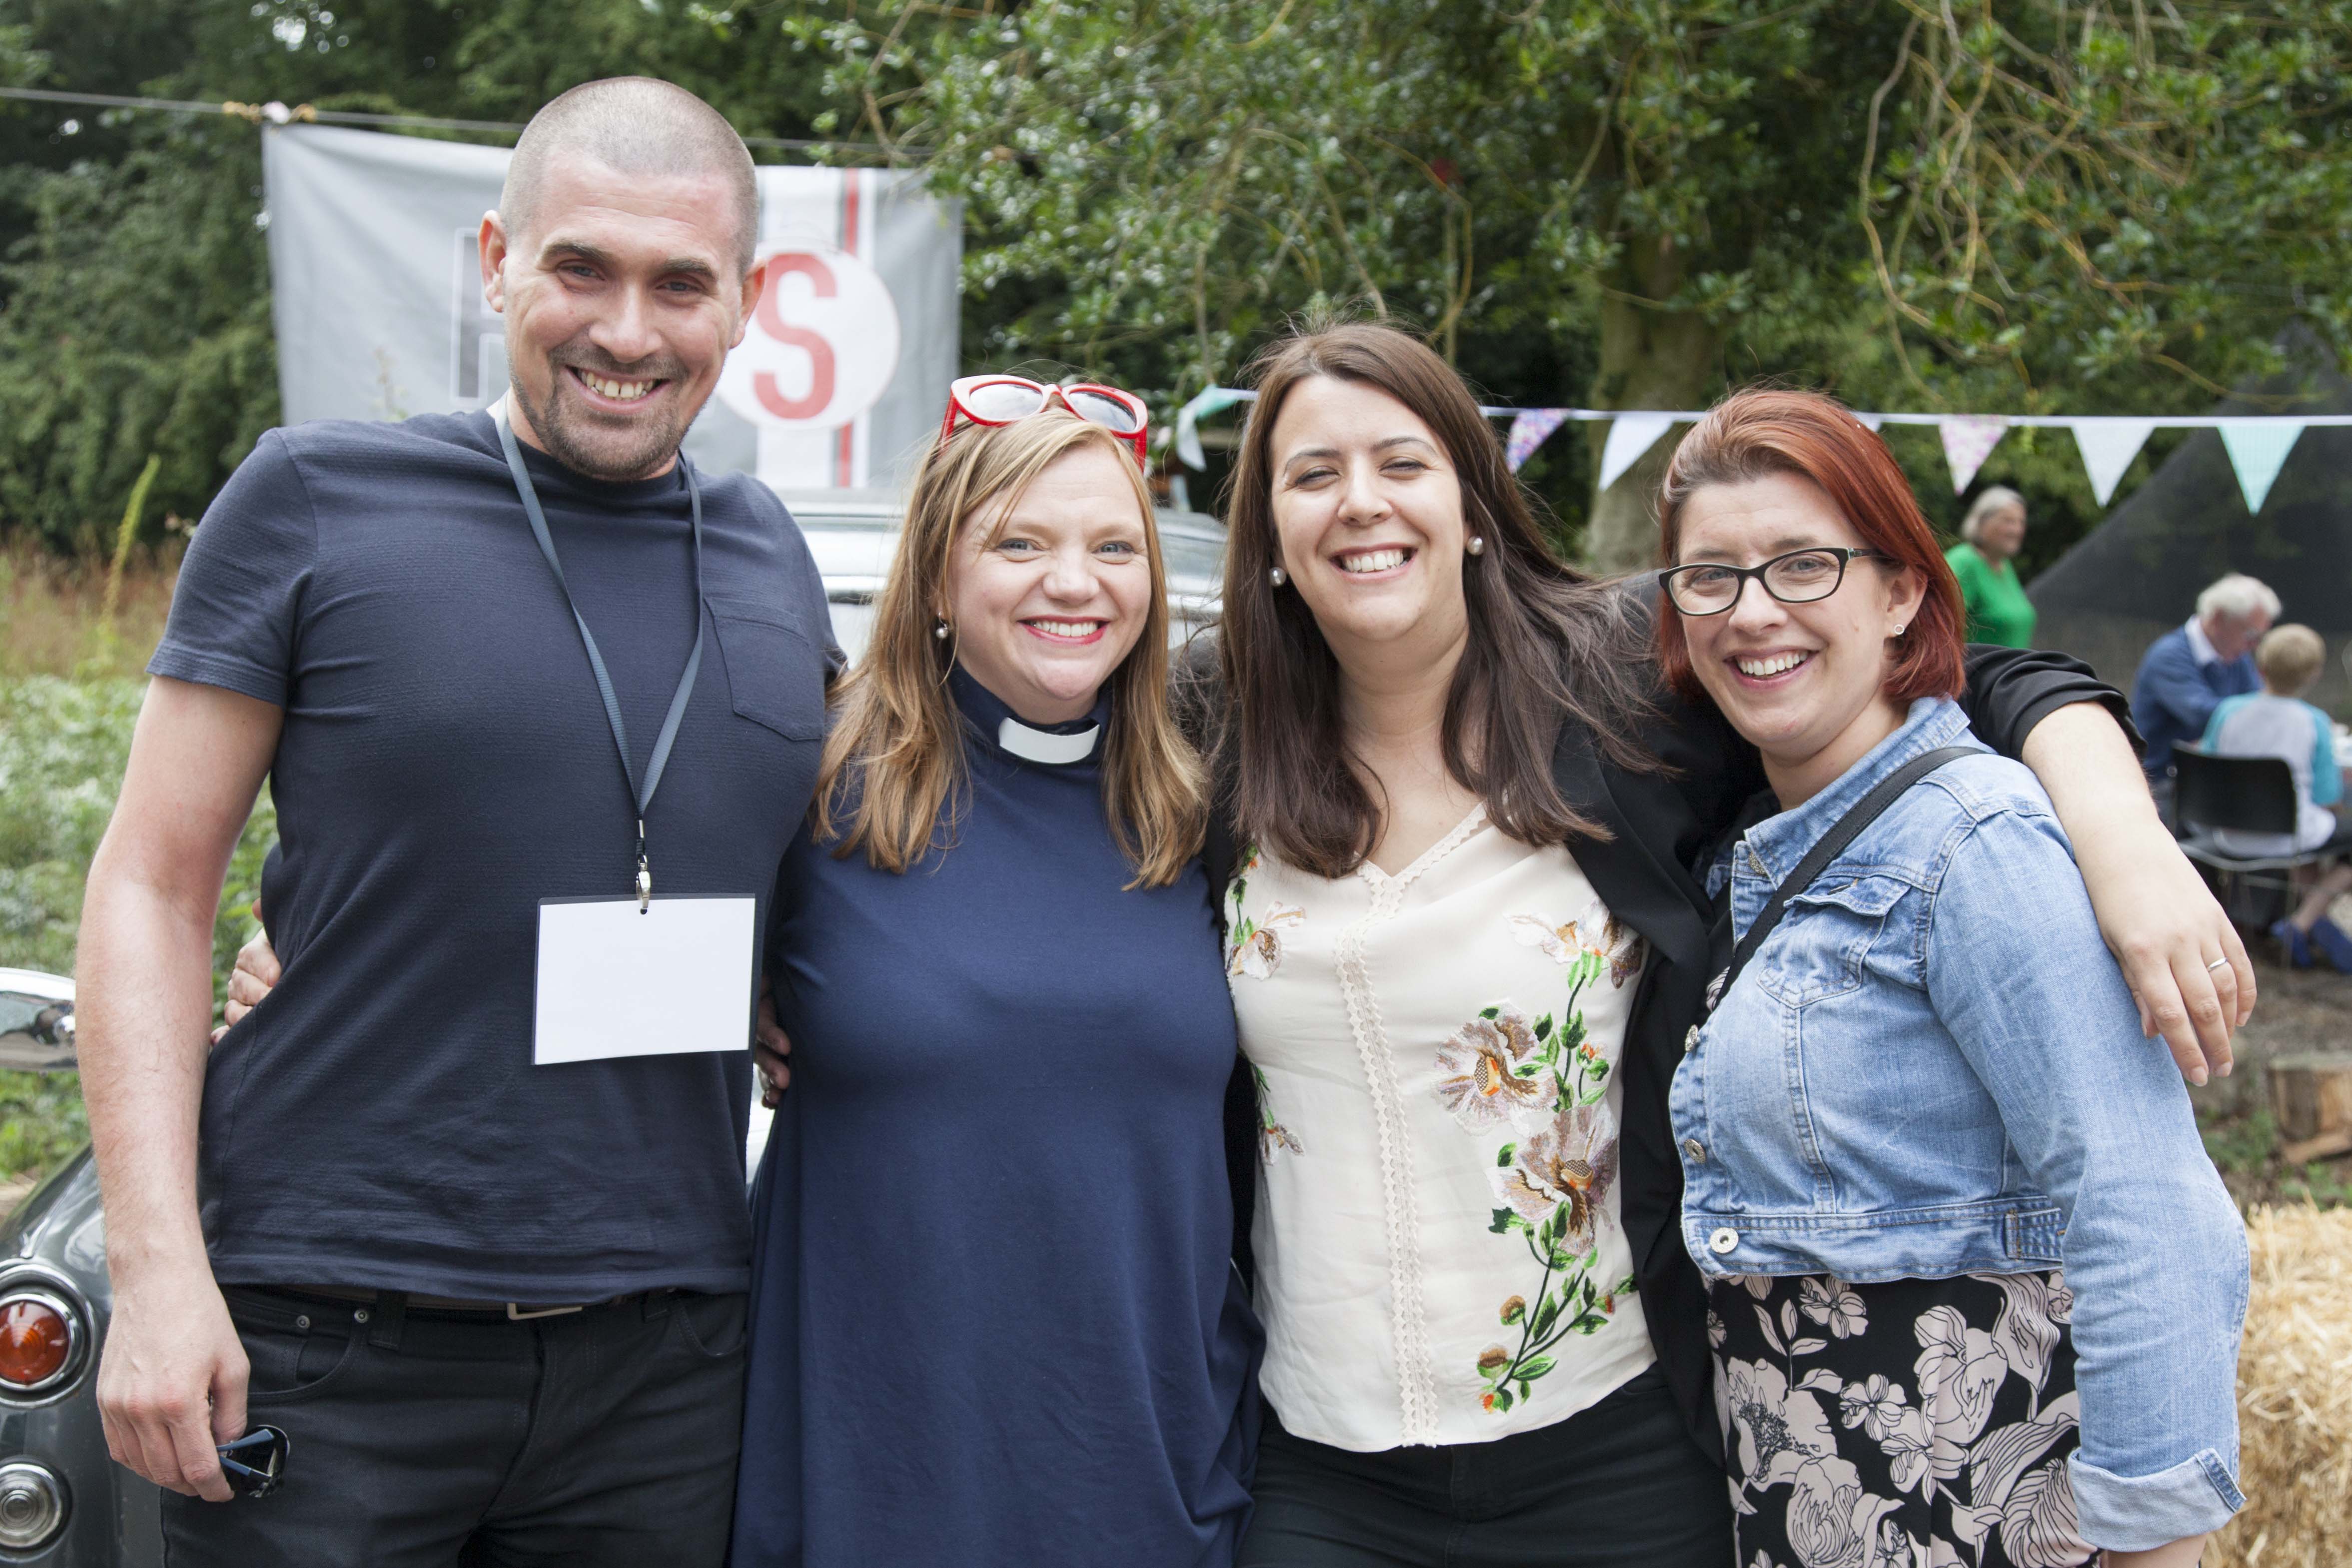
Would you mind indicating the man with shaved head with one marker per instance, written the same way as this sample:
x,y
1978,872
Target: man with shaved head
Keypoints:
x,y
478,1252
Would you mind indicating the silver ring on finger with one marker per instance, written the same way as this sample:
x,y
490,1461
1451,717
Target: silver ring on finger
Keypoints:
x,y
2219,963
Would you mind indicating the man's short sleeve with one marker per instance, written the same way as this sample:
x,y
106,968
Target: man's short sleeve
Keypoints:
x,y
2327,778
241,583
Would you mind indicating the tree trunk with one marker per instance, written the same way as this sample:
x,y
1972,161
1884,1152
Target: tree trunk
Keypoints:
x,y
2312,1097
1650,357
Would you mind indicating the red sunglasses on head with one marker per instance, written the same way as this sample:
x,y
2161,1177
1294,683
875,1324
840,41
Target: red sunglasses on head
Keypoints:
x,y
995,400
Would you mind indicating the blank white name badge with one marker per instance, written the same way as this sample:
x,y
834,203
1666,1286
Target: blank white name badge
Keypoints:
x,y
615,982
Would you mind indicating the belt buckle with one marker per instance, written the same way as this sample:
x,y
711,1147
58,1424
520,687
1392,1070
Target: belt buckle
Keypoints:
x,y
516,1313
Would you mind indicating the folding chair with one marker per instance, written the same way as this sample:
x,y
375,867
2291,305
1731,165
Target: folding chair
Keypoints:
x,y
2249,794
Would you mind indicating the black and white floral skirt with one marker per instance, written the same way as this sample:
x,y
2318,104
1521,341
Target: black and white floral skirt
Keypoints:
x,y
1905,1425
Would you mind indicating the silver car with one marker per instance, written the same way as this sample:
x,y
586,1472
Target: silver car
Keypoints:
x,y
62,1503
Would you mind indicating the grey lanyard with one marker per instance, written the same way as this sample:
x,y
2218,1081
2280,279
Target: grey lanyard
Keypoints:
x,y
640,797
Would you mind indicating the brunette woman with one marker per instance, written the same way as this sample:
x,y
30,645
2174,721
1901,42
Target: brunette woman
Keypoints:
x,y
1923,1095
1467,949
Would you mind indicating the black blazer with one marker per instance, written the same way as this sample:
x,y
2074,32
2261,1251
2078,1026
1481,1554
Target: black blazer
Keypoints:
x,y
1664,828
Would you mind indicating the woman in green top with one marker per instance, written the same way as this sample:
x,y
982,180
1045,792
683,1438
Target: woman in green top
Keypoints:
x,y
1998,611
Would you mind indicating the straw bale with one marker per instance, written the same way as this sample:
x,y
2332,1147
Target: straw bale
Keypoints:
x,y
2295,1396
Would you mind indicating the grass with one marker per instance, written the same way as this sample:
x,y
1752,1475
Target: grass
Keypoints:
x,y
2245,1150
50,613
62,747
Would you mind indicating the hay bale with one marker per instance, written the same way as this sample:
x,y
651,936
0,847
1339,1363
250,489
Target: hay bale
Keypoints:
x,y
2295,1395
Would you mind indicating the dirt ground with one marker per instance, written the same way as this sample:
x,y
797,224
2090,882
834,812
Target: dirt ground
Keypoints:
x,y
2299,1011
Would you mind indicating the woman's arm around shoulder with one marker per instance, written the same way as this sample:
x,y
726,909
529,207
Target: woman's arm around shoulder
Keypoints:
x,y
2155,1253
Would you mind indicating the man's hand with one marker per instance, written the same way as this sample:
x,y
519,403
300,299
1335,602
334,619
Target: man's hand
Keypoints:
x,y
770,1047
255,974
171,1382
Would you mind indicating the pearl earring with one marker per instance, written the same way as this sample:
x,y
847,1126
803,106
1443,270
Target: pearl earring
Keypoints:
x,y
941,630
1477,545
1277,576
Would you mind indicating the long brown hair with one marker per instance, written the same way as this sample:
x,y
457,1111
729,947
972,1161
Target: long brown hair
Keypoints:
x,y
1547,644
894,765
1768,430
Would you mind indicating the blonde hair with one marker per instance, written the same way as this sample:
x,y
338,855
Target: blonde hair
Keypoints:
x,y
1996,497
894,763
2290,658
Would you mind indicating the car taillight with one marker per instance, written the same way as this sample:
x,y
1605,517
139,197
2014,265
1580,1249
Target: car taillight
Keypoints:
x,y
36,1341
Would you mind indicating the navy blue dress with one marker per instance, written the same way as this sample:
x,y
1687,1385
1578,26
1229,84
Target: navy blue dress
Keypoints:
x,y
995,1320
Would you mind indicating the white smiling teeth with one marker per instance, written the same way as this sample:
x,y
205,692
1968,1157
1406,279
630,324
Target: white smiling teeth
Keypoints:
x,y
1760,667
1067,628
620,391
1372,560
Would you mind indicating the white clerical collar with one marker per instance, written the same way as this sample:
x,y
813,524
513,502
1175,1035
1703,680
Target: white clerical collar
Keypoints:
x,y
1045,746
2200,646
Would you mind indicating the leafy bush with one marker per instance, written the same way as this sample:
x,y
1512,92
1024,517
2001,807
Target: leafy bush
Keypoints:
x,y
63,744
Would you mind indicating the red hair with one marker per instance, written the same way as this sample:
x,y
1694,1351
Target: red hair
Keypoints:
x,y
1751,435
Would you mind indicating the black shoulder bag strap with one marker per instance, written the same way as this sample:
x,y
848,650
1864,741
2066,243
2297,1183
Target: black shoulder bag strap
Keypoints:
x,y
1831,845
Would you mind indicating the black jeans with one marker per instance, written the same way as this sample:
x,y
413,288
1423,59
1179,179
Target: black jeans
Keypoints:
x,y
424,1439
1619,1484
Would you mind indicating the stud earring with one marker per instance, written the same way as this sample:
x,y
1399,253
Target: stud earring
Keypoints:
x,y
1277,576
1898,628
1477,545
941,630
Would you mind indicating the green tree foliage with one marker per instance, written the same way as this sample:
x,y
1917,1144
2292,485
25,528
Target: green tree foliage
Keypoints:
x,y
2036,205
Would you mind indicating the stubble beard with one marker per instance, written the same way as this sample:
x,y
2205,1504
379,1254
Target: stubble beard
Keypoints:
x,y
602,452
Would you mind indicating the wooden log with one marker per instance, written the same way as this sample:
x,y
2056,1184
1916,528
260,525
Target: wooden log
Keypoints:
x,y
2311,1096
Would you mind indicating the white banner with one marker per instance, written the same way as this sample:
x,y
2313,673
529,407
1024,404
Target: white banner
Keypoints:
x,y
1629,435
1969,440
378,303
2108,446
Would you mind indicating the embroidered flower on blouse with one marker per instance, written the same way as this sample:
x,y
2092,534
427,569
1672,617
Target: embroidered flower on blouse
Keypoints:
x,y
1257,949
1572,1162
1596,934
1483,1084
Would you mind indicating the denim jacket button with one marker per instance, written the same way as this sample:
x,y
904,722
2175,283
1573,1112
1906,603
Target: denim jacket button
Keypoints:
x,y
1690,1040
1723,1240
1696,1150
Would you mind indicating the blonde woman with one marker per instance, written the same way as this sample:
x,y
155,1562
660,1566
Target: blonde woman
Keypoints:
x,y
993,1317
1985,563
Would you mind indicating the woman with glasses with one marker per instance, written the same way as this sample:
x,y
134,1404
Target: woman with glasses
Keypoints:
x,y
1467,949
1974,1287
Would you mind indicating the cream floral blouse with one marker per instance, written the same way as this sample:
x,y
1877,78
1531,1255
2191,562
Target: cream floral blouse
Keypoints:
x,y
1439,1250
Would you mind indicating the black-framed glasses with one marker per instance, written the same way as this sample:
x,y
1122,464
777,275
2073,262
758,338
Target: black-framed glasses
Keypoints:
x,y
253,1465
1800,577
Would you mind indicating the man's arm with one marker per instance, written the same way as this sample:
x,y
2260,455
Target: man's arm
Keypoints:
x,y
2154,910
171,1382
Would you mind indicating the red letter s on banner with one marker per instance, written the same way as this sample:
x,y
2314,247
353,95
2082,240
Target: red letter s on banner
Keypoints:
x,y
771,321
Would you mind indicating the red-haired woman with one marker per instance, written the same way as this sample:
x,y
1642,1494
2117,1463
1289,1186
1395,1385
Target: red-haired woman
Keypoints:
x,y
1468,943
1974,1287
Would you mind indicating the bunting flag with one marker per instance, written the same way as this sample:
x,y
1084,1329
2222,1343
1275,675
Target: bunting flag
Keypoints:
x,y
2108,446
2258,450
1531,428
1213,400
1629,435
1969,440
1870,421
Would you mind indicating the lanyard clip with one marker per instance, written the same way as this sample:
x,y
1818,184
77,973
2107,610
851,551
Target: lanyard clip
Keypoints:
x,y
645,871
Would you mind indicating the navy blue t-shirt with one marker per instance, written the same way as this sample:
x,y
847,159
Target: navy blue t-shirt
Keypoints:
x,y
445,764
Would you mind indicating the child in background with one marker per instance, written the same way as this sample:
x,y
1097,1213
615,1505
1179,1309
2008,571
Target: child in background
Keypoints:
x,y
2277,722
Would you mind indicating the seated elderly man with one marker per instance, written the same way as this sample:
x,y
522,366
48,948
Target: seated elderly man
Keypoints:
x,y
2188,671
2279,723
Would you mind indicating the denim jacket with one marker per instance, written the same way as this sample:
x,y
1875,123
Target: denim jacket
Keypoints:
x,y
1933,1067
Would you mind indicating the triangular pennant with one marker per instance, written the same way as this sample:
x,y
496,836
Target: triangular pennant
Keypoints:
x,y
2108,446
1531,428
1209,400
1629,435
1870,421
2258,450
1969,440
